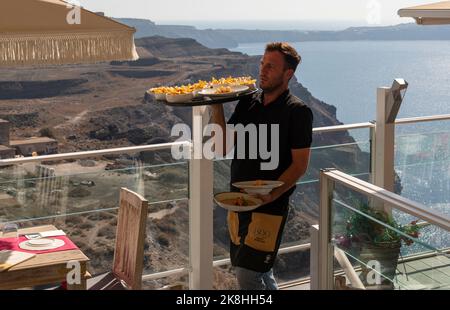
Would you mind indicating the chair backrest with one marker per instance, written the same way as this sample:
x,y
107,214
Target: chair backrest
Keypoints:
x,y
130,238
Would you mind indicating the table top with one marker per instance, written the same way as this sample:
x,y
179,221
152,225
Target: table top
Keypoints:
x,y
47,259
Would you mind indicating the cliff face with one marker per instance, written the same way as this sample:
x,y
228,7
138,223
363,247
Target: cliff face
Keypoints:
x,y
162,47
208,37
38,89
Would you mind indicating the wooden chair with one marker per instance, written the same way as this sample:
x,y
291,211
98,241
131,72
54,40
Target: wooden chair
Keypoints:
x,y
129,248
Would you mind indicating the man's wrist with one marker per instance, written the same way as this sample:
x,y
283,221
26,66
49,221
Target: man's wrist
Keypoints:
x,y
217,107
274,195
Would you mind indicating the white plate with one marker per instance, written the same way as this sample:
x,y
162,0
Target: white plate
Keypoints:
x,y
157,96
250,86
211,92
251,187
160,96
221,198
179,98
41,244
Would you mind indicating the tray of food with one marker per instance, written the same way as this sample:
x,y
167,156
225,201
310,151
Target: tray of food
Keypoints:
x,y
205,93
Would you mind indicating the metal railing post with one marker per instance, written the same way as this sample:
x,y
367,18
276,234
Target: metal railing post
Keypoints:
x,y
314,257
372,134
326,249
384,144
201,176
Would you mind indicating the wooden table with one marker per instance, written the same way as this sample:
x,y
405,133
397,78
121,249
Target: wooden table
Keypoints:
x,y
49,268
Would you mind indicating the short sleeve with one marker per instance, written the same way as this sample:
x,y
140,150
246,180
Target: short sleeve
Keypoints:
x,y
237,115
300,127
240,112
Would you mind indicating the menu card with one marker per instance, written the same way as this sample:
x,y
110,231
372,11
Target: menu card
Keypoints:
x,y
10,258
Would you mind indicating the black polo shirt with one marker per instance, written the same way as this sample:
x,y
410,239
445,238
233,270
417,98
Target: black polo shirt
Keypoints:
x,y
255,236
295,132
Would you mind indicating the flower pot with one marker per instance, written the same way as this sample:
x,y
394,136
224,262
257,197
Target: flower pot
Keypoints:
x,y
383,256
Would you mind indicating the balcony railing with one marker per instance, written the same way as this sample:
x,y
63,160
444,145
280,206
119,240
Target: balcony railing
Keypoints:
x,y
343,198
18,171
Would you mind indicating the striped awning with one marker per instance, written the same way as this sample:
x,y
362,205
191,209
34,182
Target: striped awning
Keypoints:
x,y
45,32
429,14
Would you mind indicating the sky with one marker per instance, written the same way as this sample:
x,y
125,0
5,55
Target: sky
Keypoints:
x,y
349,12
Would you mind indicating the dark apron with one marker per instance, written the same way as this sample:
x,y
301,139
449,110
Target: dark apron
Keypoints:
x,y
255,236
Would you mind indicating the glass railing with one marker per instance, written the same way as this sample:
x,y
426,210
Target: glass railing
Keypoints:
x,y
347,154
337,149
381,251
81,196
382,242
422,162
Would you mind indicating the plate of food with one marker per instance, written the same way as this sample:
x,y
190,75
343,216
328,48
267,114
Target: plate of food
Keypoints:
x,y
237,202
262,187
223,90
235,81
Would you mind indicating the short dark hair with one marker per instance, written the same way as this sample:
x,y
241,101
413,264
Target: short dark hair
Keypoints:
x,y
291,56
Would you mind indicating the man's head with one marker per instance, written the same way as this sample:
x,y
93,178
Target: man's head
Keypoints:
x,y
278,66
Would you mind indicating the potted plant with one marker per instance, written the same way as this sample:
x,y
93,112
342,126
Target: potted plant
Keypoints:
x,y
373,243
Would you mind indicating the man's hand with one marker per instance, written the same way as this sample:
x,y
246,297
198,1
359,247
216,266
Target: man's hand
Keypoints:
x,y
217,117
268,198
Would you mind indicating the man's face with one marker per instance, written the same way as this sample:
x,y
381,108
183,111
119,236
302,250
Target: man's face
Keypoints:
x,y
272,71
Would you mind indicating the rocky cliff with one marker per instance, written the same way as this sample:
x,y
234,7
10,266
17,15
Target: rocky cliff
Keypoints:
x,y
209,37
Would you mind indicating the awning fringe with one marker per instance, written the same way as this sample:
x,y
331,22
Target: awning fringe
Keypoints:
x,y
54,49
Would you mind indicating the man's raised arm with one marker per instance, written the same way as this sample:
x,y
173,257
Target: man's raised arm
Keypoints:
x,y
218,117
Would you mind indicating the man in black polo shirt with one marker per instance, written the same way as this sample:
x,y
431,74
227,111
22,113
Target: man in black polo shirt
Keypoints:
x,y
256,235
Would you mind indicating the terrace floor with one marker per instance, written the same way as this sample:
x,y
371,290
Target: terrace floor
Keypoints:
x,y
425,273
419,273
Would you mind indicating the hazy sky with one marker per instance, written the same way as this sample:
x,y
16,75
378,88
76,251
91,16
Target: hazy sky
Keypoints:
x,y
381,12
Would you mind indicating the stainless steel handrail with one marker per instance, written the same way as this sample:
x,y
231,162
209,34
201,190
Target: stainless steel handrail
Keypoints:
x,y
398,202
87,154
51,217
343,127
421,119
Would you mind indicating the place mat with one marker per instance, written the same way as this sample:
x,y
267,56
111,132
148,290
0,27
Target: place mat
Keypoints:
x,y
13,244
